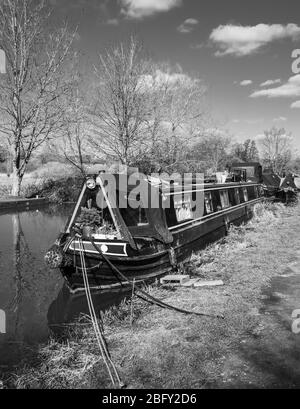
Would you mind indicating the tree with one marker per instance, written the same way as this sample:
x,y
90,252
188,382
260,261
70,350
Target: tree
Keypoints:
x,y
294,165
177,117
247,151
31,89
211,153
276,149
74,145
3,154
121,107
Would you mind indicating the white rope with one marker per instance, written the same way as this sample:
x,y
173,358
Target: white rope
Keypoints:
x,y
99,336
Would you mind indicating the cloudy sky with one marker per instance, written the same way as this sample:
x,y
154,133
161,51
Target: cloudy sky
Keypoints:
x,y
241,49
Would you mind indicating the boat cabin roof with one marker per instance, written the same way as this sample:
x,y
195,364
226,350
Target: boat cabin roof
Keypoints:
x,y
128,182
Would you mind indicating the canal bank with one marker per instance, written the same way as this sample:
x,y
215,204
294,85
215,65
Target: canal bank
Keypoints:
x,y
254,346
17,203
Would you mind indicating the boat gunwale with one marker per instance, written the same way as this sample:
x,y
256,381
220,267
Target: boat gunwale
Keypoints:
x,y
212,187
212,215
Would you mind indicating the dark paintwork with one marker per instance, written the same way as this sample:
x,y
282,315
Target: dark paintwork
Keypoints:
x,y
151,258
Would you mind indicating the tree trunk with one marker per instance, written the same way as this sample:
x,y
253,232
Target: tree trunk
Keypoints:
x,y
16,182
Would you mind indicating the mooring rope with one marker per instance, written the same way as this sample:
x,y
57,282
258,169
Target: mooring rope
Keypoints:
x,y
145,296
112,370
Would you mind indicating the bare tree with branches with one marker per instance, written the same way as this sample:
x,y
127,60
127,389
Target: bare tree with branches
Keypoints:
x,y
31,89
121,108
177,117
74,146
276,149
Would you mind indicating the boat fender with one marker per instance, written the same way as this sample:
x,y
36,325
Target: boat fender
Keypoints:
x,y
55,257
227,225
172,257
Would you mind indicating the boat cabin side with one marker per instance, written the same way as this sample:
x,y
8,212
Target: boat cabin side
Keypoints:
x,y
120,213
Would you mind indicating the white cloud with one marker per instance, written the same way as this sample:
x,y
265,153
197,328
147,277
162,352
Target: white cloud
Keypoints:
x,y
245,83
112,21
161,78
259,136
295,104
290,89
245,40
280,118
188,25
270,82
254,121
197,46
143,8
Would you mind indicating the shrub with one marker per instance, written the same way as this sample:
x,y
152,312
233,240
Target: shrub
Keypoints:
x,y
5,190
61,190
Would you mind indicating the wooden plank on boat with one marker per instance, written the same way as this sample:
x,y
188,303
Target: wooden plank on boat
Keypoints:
x,y
208,283
174,279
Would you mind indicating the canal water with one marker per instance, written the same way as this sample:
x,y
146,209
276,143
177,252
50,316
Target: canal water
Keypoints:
x,y
33,298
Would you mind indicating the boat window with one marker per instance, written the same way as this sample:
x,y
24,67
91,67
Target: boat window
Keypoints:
x,y
183,208
252,193
209,208
216,200
232,197
224,199
245,192
237,196
242,198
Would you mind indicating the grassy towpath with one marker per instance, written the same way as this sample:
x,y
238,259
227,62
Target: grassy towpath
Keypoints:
x,y
252,347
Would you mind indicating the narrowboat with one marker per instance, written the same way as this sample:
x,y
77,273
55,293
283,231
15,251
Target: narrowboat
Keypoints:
x,y
145,226
247,171
288,189
279,189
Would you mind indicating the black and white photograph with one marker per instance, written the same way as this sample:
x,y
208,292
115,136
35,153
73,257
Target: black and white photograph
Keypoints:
x,y
149,197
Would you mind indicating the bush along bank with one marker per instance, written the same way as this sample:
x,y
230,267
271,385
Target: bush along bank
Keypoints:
x,y
65,189
156,348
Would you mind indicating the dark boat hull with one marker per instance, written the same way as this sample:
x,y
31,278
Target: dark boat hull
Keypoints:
x,y
156,262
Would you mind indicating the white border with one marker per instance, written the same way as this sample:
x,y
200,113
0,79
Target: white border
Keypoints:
x,y
108,243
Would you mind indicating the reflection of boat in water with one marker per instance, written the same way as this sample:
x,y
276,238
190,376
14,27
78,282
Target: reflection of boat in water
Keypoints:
x,y
12,327
145,226
26,286
68,307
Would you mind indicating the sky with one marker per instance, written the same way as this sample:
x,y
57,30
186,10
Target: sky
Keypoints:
x,y
242,50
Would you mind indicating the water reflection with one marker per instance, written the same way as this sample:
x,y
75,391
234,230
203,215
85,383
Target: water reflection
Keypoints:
x,y
27,287
33,297
67,307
